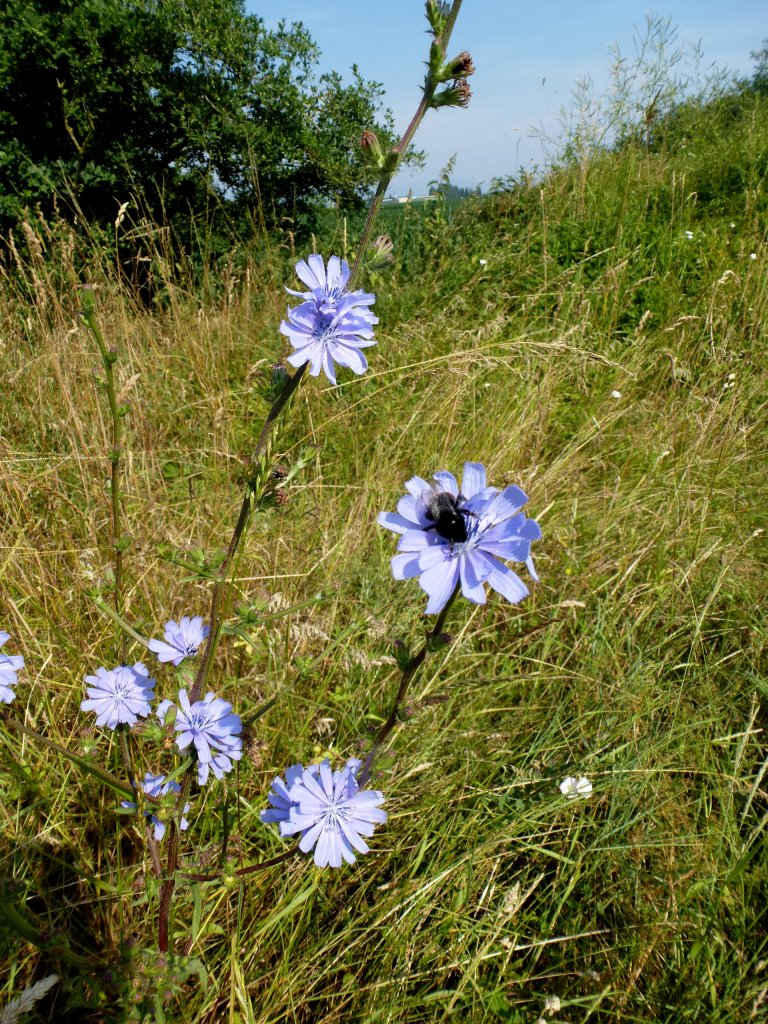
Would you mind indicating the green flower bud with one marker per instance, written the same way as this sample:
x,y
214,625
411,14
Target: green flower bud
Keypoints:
x,y
381,253
437,15
437,643
456,95
402,655
436,63
461,66
371,147
88,299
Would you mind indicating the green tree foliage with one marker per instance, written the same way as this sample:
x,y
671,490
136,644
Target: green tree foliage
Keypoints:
x,y
759,80
191,107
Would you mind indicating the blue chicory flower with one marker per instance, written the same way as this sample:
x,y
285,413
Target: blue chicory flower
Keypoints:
x,y
182,640
332,324
156,786
331,812
120,695
9,666
450,536
279,793
213,728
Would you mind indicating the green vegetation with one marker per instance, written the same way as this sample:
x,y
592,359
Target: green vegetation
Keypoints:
x,y
609,356
192,112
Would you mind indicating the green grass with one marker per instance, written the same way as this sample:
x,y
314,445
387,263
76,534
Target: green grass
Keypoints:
x,y
639,660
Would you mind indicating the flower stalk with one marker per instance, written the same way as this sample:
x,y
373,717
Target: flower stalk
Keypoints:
x,y
117,542
169,882
389,167
410,669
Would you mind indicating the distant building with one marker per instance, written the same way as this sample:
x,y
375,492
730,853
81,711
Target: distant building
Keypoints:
x,y
402,200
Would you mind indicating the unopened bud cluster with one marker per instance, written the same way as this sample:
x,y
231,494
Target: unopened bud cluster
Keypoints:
x,y
385,162
456,71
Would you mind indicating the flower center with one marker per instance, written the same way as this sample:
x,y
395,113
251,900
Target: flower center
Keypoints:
x,y
323,327
335,812
199,719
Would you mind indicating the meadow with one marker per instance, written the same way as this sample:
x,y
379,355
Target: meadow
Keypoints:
x,y
596,336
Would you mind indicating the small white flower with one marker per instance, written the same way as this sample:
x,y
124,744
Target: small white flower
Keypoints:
x,y
689,235
615,394
482,262
551,1004
753,255
732,224
573,788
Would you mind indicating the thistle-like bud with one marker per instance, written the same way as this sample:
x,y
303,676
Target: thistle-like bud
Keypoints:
x,y
374,155
461,66
442,70
456,95
371,147
381,252
465,93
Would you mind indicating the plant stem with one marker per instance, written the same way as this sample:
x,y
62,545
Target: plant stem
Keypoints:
x,y
125,750
102,605
386,177
250,869
115,529
409,672
261,457
169,882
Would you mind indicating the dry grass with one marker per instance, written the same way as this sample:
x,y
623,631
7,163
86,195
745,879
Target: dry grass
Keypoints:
x,y
638,661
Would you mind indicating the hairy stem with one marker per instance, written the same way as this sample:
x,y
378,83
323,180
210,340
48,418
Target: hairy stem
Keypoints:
x,y
261,460
115,527
169,882
406,679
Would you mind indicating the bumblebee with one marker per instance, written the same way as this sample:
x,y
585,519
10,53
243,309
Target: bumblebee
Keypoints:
x,y
447,516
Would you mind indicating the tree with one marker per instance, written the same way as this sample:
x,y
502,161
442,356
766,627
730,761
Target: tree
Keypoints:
x,y
186,105
759,80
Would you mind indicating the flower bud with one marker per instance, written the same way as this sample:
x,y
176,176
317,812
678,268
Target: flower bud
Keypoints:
x,y
461,66
381,252
374,155
465,93
390,161
87,299
438,642
437,15
402,655
371,147
456,95
405,712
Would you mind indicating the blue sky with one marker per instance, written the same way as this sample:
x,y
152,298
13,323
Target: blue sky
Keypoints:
x,y
528,58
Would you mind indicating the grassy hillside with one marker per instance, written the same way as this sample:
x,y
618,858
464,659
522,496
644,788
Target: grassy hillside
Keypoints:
x,y
609,356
